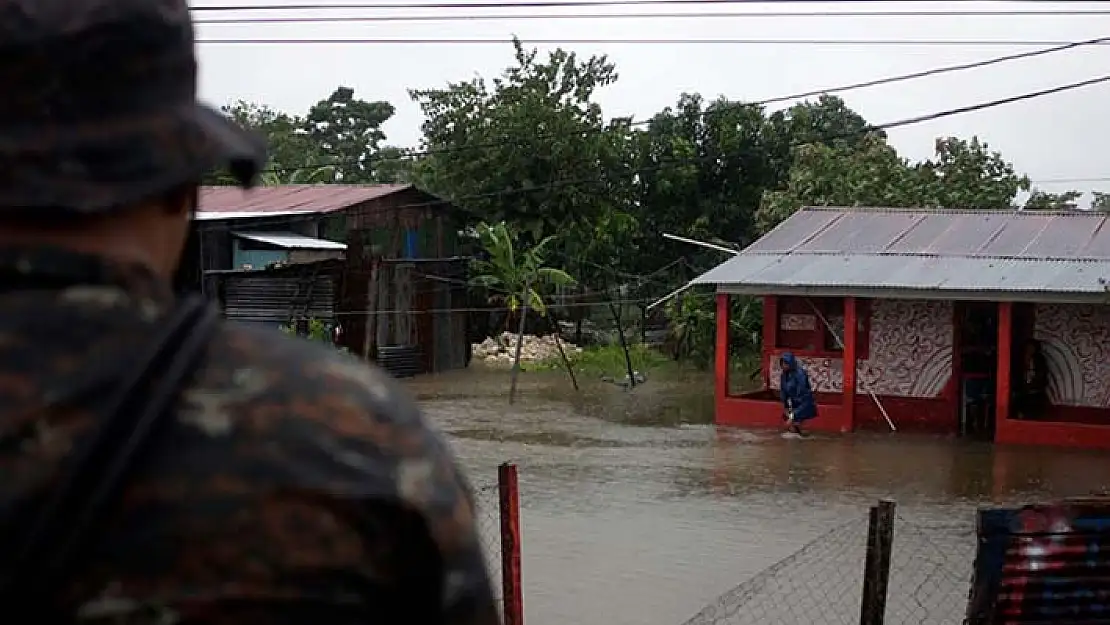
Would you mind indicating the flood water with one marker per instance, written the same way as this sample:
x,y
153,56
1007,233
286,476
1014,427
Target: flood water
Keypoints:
x,y
636,510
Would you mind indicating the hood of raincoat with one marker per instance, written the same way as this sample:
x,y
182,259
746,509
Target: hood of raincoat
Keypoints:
x,y
789,359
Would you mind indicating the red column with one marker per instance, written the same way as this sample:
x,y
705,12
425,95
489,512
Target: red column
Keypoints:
x,y
721,352
512,586
1005,340
851,341
770,336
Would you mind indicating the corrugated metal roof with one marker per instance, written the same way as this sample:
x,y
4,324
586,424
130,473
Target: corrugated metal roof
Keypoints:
x,y
917,252
291,198
290,241
199,216
767,273
1008,234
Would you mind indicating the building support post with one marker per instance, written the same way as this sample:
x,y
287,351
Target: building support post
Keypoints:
x,y
770,336
851,342
1005,347
721,351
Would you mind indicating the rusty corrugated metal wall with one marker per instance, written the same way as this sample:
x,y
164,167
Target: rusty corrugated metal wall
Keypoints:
x,y
279,296
1043,564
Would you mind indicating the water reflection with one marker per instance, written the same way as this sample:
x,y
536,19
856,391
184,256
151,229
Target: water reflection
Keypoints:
x,y
637,510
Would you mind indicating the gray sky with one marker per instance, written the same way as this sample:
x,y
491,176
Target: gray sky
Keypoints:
x,y
1062,136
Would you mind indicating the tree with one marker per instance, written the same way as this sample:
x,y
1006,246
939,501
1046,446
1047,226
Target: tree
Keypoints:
x,y
292,155
701,170
962,175
392,165
967,174
514,276
1043,200
348,130
1100,201
873,174
505,149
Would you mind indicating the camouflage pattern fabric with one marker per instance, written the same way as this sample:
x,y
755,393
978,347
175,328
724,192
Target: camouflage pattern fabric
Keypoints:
x,y
100,107
296,485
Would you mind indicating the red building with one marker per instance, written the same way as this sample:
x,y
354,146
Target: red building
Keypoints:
x,y
924,315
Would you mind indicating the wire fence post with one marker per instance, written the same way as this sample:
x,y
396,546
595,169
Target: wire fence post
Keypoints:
x,y
876,571
509,499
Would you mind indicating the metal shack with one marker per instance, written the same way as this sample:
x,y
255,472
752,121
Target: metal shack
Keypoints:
x,y
378,261
922,317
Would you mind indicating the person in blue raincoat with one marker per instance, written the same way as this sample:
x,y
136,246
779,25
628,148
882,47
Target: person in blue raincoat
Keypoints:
x,y
798,403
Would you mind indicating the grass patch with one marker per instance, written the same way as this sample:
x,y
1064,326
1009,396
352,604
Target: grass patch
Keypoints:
x,y
608,360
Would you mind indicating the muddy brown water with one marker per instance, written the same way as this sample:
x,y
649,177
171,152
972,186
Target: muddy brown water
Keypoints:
x,y
637,510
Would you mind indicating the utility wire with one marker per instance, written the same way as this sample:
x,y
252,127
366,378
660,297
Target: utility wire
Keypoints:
x,y
447,17
1071,180
324,6
775,100
873,128
1012,43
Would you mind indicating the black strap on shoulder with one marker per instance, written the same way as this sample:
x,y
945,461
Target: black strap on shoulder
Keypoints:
x,y
91,483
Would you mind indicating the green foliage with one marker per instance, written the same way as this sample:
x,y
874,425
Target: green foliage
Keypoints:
x,y
693,326
1100,201
348,132
570,192
514,274
962,175
533,125
1042,200
608,361
318,331
338,140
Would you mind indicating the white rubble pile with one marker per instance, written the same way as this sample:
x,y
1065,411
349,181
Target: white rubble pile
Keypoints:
x,y
500,349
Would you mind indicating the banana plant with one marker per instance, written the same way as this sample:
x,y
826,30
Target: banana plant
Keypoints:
x,y
515,276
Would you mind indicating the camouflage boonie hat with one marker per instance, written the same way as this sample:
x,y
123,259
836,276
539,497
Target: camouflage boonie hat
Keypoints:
x,y
99,106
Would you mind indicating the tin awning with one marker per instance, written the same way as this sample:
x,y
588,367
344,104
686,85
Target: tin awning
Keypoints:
x,y
290,241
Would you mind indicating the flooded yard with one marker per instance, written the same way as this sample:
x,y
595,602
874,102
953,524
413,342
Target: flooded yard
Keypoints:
x,y
636,510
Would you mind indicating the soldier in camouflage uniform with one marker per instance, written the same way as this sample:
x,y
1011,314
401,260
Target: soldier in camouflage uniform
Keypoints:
x,y
292,485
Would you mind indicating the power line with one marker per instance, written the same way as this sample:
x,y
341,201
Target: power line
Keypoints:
x,y
873,128
670,15
1012,43
323,6
775,100
1071,180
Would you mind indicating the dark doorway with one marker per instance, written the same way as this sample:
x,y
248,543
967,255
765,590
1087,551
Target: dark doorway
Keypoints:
x,y
977,350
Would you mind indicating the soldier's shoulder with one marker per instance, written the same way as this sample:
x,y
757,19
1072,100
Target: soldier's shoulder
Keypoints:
x,y
295,369
348,421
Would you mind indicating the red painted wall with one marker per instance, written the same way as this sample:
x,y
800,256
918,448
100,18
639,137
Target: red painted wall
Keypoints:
x,y
763,409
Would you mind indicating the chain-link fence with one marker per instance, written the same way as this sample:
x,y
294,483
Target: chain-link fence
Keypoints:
x,y
823,582
819,583
827,581
930,571
489,531
497,510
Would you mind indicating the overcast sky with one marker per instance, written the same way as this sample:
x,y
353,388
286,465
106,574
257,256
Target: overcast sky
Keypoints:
x,y
1062,136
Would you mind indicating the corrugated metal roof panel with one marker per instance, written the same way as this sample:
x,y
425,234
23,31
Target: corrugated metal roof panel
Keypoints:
x,y
297,198
920,250
291,241
199,216
1015,234
909,273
